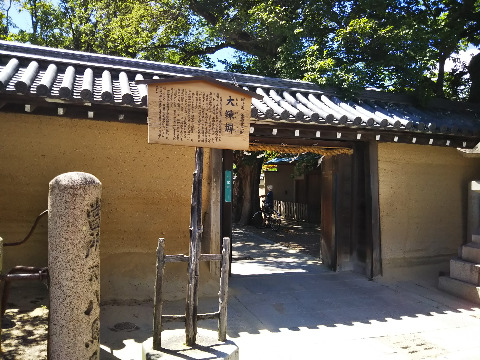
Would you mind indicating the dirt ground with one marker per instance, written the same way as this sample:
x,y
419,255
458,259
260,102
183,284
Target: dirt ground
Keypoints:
x,y
25,323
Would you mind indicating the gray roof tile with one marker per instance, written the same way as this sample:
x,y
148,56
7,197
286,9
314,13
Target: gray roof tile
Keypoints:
x,y
83,78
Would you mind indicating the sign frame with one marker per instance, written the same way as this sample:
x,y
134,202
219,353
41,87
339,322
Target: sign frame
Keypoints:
x,y
198,111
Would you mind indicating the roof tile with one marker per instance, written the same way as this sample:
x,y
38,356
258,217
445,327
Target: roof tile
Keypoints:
x,y
83,78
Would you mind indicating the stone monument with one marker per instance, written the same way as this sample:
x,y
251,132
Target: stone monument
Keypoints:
x,y
464,277
473,224
74,266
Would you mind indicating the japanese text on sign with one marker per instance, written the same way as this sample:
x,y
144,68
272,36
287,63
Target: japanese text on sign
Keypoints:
x,y
198,115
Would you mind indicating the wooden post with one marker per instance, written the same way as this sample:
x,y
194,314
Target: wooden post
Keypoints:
x,y
373,208
191,309
158,300
223,295
213,219
327,243
227,205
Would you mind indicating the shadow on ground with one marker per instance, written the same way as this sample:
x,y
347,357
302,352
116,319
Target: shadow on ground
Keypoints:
x,y
274,291
295,235
25,323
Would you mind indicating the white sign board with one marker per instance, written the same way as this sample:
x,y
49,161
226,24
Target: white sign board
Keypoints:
x,y
199,112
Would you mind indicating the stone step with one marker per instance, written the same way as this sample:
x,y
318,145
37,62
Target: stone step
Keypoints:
x,y
459,288
476,239
471,252
465,271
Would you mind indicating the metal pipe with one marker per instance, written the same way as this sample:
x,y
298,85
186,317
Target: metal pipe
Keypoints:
x,y
31,231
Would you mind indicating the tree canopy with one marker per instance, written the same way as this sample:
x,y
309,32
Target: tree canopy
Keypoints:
x,y
394,45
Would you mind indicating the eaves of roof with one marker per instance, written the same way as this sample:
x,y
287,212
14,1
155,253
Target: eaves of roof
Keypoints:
x,y
39,75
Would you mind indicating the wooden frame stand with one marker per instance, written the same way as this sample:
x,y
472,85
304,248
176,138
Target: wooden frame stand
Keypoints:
x,y
195,256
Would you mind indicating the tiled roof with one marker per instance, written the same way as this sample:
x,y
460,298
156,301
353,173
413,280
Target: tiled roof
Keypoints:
x,y
39,74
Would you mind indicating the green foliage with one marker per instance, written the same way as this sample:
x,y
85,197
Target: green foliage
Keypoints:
x,y
154,30
3,26
46,20
457,83
248,158
306,163
390,45
133,28
303,163
352,44
269,155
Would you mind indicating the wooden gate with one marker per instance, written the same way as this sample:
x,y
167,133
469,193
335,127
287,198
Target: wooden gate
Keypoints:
x,y
350,211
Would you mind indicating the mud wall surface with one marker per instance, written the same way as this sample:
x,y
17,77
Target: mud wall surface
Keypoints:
x,y
146,195
282,181
423,206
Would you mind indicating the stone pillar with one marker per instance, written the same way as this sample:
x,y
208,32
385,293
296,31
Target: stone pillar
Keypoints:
x,y
1,255
74,266
1,285
473,223
212,229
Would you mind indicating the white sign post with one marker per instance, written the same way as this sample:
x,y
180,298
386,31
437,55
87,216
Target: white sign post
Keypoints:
x,y
200,112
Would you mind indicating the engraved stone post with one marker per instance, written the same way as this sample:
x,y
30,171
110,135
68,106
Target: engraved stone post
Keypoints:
x,y
473,222
74,266
1,255
1,284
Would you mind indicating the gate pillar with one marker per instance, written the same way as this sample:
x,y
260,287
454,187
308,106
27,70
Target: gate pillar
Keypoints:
x,y
74,266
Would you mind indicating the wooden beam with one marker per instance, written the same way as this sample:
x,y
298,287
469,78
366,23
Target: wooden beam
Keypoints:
x,y
284,132
158,299
358,178
173,318
223,294
374,256
306,142
213,238
185,258
327,241
30,108
209,316
226,220
195,249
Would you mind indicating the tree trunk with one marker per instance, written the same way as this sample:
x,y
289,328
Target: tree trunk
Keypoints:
x,y
441,78
245,194
474,71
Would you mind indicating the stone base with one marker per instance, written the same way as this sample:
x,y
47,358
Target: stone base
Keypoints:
x,y
465,271
207,347
476,239
471,252
459,288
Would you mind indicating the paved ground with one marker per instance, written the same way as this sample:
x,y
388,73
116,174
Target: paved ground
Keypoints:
x,y
303,311
295,235
285,305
